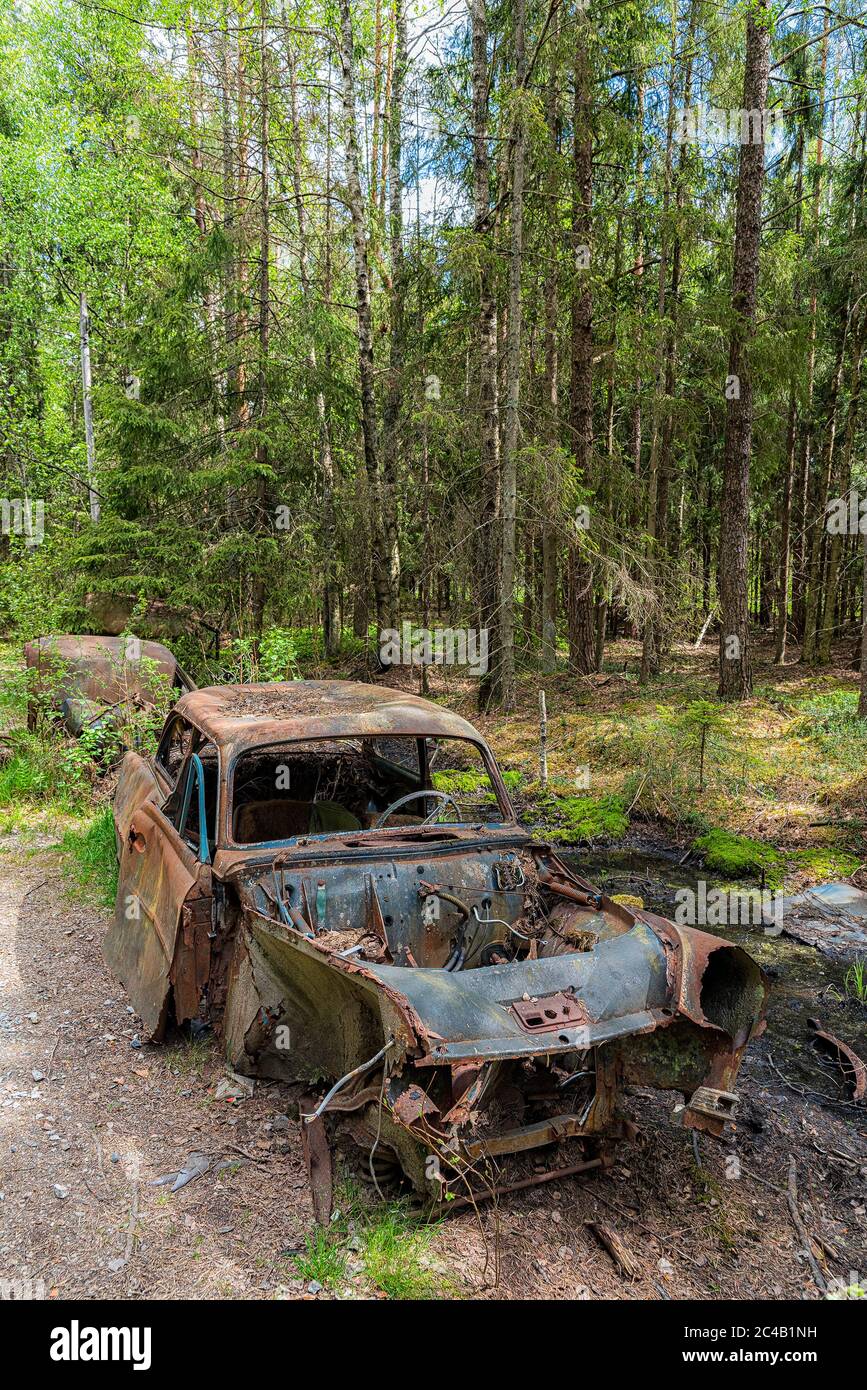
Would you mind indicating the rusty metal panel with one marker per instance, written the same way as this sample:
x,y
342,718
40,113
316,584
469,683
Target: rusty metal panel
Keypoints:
x,y
100,668
156,875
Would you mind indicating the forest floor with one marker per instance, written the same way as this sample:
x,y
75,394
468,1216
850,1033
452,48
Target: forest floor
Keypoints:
x,y
786,769
90,1118
89,1121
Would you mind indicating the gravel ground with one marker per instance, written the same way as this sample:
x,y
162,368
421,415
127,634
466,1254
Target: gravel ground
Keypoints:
x,y
89,1119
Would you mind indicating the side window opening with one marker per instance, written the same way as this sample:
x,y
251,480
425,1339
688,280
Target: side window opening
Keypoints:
x,y
335,786
197,786
175,744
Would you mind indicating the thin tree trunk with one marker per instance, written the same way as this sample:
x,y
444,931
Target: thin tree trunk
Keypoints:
x,y
862,702
812,613
229,286
581,610
505,680
735,666
87,399
385,605
259,591
802,489
782,611
393,414
487,339
550,537
834,612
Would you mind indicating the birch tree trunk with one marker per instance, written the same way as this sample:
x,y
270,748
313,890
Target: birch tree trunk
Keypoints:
x,y
87,402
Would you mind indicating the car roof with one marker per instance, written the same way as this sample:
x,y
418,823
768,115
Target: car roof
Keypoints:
x,y
89,650
248,716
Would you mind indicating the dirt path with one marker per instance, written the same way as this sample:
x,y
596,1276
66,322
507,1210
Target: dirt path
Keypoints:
x,y
89,1120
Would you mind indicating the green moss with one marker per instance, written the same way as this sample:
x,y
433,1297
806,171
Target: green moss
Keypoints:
x,y
513,780
452,780
736,856
826,863
570,820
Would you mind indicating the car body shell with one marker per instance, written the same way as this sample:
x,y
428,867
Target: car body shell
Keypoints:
x,y
440,1068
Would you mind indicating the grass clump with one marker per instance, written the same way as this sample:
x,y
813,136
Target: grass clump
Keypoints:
x,y
394,1252
855,981
384,1245
92,857
323,1260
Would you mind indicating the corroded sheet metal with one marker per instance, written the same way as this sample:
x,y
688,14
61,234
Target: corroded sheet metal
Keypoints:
x,y
251,715
853,1069
471,1011
157,874
101,668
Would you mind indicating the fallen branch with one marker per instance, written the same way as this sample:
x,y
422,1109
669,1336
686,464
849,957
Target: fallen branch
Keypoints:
x,y
615,1247
133,1218
792,1198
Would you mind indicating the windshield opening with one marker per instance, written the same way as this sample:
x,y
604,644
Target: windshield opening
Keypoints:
x,y
337,786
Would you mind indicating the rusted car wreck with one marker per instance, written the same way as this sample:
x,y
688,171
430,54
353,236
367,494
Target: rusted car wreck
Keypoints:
x,y
90,680
332,875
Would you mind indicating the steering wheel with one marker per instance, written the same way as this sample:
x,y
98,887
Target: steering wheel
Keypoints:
x,y
443,797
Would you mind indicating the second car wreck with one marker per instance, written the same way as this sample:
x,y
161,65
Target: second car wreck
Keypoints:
x,y
91,680
332,876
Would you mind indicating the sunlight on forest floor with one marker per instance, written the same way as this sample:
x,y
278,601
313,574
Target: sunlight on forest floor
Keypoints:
x,y
786,767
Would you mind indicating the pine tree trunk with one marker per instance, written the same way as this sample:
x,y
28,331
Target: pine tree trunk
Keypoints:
x,y
735,666
393,415
264,509
330,623
385,600
834,611
862,702
550,536
505,677
580,577
813,605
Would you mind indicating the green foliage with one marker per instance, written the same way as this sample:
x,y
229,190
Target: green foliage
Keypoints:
x,y
451,779
44,772
92,856
673,755
830,719
855,981
513,779
388,1243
